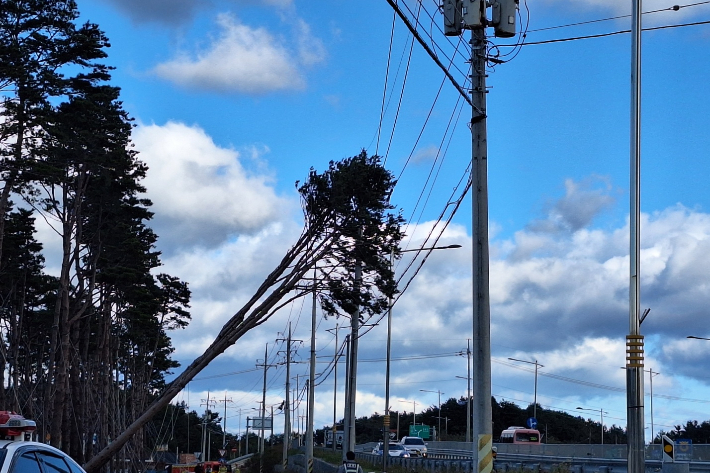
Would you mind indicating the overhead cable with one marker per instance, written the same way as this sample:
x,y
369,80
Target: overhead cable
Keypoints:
x,y
429,51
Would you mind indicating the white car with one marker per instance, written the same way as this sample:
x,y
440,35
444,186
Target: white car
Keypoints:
x,y
395,450
19,454
34,457
414,445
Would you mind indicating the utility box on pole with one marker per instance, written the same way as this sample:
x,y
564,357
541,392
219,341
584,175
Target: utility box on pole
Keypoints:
x,y
472,14
504,13
452,17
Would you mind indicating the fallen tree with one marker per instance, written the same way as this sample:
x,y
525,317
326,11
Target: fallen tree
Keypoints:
x,y
348,222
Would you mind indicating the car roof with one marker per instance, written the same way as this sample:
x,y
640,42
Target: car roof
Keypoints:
x,y
12,445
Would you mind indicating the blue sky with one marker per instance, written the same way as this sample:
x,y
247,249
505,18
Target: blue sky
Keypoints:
x,y
235,100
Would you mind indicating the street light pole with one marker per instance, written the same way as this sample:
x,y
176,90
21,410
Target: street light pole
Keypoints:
x,y
386,417
651,375
414,412
438,432
601,413
535,395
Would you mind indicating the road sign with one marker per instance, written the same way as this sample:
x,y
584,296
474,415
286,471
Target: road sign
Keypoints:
x,y
422,431
532,423
683,450
221,452
667,446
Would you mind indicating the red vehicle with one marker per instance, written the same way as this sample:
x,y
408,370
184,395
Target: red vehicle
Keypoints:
x,y
520,435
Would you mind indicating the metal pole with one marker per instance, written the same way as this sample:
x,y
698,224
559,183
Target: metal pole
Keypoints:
x,y
537,365
468,400
287,403
601,413
335,384
651,375
438,433
263,406
482,412
311,385
224,429
535,395
634,344
386,417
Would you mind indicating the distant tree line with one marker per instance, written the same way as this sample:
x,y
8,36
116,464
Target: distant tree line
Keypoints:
x,y
83,351
554,426
180,430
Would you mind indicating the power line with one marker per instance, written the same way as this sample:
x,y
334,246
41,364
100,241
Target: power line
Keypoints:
x,y
597,385
602,35
428,50
384,91
580,23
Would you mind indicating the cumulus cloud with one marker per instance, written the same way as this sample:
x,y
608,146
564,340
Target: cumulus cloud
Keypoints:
x,y
202,193
562,300
579,283
246,60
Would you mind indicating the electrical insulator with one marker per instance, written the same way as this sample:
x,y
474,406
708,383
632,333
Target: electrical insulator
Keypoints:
x,y
452,17
504,14
472,14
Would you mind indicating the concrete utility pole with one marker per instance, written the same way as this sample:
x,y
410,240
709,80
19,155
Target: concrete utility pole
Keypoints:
x,y
482,411
205,447
346,406
296,411
287,402
266,366
634,341
224,428
311,384
351,387
335,382
263,402
468,391
471,14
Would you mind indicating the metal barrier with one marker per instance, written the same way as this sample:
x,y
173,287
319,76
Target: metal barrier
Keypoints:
x,y
535,458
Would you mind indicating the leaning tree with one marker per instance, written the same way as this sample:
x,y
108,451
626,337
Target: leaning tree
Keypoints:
x,y
349,233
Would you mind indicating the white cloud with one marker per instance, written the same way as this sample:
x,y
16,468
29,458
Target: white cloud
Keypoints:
x,y
202,194
563,301
425,154
246,60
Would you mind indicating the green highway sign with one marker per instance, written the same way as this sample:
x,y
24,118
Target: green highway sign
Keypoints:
x,y
422,431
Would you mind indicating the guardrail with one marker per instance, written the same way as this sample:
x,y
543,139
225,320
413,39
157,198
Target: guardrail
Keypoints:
x,y
583,460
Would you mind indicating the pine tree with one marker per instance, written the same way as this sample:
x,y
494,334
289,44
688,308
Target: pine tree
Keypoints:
x,y
348,223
